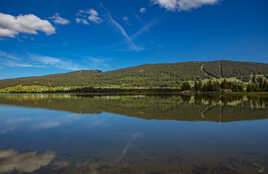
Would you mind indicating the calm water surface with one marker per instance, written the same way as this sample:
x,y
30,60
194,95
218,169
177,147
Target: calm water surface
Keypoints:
x,y
133,134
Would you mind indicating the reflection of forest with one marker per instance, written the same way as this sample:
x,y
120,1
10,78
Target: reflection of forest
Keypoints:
x,y
187,108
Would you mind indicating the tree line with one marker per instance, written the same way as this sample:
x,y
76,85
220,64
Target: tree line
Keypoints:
x,y
260,85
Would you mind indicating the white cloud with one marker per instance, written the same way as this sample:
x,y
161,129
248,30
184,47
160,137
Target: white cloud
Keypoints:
x,y
142,10
183,4
7,33
30,24
86,16
94,16
59,20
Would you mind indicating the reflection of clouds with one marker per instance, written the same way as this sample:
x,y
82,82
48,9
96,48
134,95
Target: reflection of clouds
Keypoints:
x,y
131,141
48,125
6,153
10,124
35,119
27,162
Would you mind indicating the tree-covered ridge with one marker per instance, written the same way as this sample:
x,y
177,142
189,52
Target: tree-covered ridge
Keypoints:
x,y
148,76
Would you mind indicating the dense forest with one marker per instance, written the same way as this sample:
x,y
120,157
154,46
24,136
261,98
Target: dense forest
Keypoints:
x,y
260,85
194,76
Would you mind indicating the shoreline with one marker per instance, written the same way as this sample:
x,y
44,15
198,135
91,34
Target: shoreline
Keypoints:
x,y
138,92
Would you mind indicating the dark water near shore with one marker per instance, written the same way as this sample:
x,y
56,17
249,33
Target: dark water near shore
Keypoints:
x,y
50,134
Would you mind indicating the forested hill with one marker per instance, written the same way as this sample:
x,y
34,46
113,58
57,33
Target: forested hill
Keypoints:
x,y
149,75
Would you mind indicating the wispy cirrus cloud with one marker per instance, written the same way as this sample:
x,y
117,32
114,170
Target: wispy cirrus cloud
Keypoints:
x,y
37,61
60,63
182,5
144,29
10,26
6,55
123,32
17,64
40,61
129,39
46,60
98,63
9,60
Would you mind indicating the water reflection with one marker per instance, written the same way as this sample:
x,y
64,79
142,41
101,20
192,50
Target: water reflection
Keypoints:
x,y
133,134
24,162
187,108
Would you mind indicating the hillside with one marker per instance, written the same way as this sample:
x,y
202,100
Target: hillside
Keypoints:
x,y
149,75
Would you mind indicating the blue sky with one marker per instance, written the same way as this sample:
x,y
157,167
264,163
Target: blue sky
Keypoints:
x,y
56,36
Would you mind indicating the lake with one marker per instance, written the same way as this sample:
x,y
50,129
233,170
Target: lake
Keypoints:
x,y
71,134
